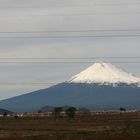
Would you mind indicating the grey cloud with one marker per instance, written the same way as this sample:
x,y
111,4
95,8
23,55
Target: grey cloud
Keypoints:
x,y
43,15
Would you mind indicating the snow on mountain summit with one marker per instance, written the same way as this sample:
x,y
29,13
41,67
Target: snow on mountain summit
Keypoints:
x,y
105,73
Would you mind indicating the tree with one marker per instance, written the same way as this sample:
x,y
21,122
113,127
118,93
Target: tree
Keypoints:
x,y
70,112
122,109
5,114
57,112
39,111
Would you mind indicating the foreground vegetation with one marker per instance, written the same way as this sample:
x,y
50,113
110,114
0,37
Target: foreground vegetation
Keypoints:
x,y
123,126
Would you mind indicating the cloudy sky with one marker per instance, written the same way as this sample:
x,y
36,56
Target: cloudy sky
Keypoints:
x,y
63,29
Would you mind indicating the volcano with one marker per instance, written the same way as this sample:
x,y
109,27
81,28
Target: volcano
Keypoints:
x,y
102,86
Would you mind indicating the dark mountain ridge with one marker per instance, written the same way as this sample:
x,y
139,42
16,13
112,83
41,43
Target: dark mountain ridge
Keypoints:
x,y
92,96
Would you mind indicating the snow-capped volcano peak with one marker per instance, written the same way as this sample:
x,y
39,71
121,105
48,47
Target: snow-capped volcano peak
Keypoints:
x,y
105,73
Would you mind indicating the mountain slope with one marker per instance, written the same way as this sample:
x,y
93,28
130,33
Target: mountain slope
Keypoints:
x,y
79,95
94,92
2,111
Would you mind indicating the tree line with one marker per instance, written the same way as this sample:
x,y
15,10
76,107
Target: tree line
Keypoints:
x,y
70,112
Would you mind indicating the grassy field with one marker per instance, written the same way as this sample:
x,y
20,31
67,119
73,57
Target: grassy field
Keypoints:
x,y
125,126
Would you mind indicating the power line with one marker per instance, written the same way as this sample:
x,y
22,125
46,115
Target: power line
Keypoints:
x,y
75,14
29,84
70,31
71,6
72,62
96,57
25,83
69,37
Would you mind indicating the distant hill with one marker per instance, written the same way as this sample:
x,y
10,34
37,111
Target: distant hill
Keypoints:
x,y
101,86
47,109
51,108
2,111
